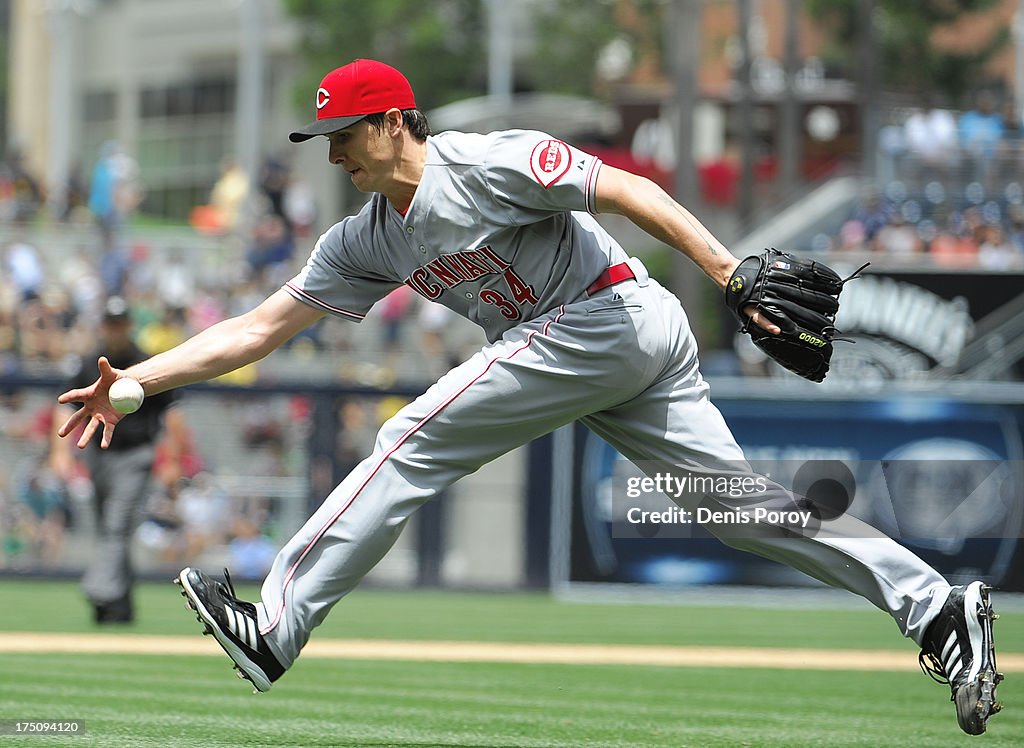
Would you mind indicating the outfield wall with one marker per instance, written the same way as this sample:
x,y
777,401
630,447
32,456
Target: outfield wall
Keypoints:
x,y
937,467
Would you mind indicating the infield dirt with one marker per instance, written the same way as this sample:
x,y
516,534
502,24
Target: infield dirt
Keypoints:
x,y
461,651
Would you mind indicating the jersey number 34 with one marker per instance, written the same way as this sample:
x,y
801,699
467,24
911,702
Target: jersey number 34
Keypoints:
x,y
522,293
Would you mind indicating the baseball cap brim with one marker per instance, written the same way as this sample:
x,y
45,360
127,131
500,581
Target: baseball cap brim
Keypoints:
x,y
324,127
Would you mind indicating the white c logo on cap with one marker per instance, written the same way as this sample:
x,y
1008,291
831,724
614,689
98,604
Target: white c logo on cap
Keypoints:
x,y
322,97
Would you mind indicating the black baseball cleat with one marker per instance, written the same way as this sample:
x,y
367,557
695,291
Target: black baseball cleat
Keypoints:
x,y
958,650
233,624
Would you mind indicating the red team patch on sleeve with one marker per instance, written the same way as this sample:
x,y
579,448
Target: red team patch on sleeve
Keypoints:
x,y
550,161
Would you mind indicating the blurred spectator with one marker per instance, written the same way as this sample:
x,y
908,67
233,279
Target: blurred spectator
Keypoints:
x,y
252,552
852,237
22,191
206,308
43,511
274,180
969,222
892,151
12,544
9,358
114,268
229,194
25,268
1016,232
262,428
898,237
40,327
142,272
358,430
950,250
996,252
1011,120
177,458
299,207
272,245
102,192
176,282
718,179
161,533
872,213
164,333
147,309
128,193
981,134
394,311
931,138
76,196
1011,159
204,511
434,321
42,507
114,191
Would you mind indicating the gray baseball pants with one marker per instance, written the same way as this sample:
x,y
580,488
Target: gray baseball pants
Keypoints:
x,y
121,481
623,361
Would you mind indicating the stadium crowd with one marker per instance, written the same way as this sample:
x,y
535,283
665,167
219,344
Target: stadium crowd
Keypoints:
x,y
949,187
949,191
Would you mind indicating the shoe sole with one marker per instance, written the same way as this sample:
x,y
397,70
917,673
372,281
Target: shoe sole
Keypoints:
x,y
245,667
976,699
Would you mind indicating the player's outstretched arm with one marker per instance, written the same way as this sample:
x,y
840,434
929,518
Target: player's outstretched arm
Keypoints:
x,y
217,350
652,209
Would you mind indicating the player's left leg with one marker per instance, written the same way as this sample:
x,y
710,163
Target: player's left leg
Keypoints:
x,y
843,552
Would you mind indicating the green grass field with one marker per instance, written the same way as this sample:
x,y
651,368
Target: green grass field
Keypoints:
x,y
174,700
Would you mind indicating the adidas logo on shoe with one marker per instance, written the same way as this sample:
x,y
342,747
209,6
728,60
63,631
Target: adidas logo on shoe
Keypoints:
x,y
232,622
958,649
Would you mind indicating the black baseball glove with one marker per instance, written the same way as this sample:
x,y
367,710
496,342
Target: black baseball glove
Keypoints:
x,y
801,297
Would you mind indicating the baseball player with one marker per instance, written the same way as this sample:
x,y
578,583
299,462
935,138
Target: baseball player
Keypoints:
x,y
501,228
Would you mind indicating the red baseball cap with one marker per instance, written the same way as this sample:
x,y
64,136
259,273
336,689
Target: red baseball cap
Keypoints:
x,y
352,92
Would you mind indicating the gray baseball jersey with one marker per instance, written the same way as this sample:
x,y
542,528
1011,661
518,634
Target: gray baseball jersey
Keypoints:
x,y
500,231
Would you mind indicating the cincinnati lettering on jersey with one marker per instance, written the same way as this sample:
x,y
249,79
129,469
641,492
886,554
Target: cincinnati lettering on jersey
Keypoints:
x,y
449,270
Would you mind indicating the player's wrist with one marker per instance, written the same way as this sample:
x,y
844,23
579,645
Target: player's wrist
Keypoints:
x,y
138,373
723,270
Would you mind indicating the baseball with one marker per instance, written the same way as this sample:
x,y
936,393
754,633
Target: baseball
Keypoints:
x,y
126,395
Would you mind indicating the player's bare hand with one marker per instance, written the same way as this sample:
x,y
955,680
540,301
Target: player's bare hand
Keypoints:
x,y
761,320
96,411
